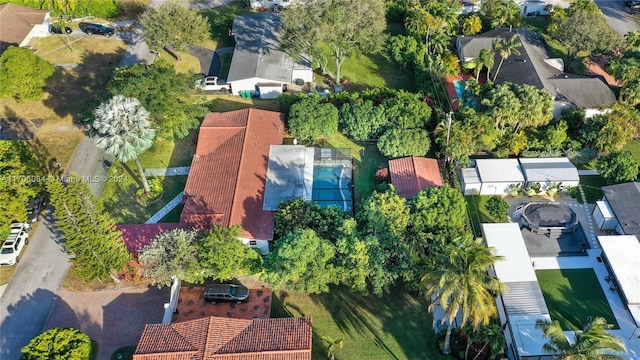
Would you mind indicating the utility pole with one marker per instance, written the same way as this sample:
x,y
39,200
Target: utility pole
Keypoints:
x,y
449,116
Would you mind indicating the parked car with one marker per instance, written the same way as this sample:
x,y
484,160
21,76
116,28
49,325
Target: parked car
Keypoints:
x,y
226,292
58,30
212,83
35,206
96,29
13,245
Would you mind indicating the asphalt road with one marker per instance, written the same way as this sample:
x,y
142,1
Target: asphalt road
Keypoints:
x,y
617,16
29,297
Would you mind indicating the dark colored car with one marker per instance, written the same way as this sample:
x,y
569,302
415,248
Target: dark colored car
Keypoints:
x,y
34,207
58,30
96,29
226,292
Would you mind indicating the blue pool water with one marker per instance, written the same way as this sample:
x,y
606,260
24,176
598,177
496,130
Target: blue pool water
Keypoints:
x,y
332,186
460,86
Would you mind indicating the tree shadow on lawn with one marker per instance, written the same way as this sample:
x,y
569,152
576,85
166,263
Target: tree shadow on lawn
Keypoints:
x,y
78,91
577,297
400,315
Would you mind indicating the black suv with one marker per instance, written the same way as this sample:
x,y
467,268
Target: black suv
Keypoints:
x,y
96,29
58,30
226,292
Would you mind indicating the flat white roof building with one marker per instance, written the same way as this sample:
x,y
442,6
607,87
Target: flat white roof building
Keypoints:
x,y
622,253
546,171
522,305
499,170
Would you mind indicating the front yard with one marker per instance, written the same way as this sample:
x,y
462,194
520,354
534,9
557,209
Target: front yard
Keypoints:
x,y
395,326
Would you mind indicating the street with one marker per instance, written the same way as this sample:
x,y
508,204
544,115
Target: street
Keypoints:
x,y
617,15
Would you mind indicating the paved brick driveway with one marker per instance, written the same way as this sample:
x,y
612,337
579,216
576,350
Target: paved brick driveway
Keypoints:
x,y
113,318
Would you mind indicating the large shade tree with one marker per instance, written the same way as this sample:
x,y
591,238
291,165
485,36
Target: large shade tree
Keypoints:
x,y
594,342
58,343
173,24
23,74
460,284
346,27
124,131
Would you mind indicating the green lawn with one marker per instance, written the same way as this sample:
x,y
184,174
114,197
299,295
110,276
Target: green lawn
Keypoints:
x,y
572,295
122,203
367,160
634,148
219,34
476,205
395,326
591,185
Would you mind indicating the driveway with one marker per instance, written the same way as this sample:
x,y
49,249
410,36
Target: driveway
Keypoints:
x,y
209,60
113,318
617,16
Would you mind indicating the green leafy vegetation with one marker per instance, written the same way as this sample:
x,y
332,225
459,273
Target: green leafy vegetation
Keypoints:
x,y
79,8
59,343
173,24
618,167
591,185
573,295
23,74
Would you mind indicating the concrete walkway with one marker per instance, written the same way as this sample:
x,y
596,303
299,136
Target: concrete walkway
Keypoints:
x,y
174,171
165,210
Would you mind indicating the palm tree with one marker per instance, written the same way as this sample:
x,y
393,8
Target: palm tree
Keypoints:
x,y
334,345
484,59
490,336
461,284
506,48
594,342
124,131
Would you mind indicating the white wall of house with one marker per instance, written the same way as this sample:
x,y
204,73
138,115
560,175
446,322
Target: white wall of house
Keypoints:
x,y
40,30
270,91
533,8
267,4
261,245
544,185
305,74
248,84
497,188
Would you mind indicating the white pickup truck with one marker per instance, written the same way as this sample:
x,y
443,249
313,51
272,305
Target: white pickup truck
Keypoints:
x,y
212,83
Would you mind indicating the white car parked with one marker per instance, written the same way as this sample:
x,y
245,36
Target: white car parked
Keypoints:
x,y
212,83
13,245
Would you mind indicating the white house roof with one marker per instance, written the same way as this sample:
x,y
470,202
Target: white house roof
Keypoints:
x,y
470,176
623,252
549,169
605,209
499,170
523,300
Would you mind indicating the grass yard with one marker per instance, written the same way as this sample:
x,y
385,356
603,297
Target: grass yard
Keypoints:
x,y
476,206
395,326
188,62
591,185
219,34
122,203
572,295
367,160
169,153
634,148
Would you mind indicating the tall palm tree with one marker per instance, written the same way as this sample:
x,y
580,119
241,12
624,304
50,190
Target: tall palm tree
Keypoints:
x,y
461,284
334,345
592,343
506,48
124,131
484,59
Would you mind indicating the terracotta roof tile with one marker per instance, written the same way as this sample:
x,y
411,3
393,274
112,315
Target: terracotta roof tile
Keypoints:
x,y
413,174
228,173
137,236
216,338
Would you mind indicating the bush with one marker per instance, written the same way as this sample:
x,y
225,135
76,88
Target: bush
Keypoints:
x,y
404,142
58,343
156,190
618,167
98,8
497,207
312,118
362,120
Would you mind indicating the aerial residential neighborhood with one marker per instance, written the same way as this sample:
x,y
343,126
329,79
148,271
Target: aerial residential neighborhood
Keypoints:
x,y
319,179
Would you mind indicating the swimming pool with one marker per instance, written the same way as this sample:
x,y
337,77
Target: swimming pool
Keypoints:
x,y
332,186
461,88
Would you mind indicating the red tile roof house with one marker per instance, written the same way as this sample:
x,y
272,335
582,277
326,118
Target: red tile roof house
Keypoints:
x,y
215,338
226,182
19,24
410,175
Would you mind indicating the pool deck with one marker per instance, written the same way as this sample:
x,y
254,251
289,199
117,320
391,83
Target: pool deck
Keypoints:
x,y
451,89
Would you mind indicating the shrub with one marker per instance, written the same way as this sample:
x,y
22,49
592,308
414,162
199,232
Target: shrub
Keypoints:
x,y
404,142
618,167
497,207
155,185
58,343
312,118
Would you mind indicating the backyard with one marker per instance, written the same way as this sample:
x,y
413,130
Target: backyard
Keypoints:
x,y
478,213
634,148
591,185
395,326
573,295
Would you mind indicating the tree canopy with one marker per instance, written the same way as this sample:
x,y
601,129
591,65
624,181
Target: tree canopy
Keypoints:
x,y
173,24
164,92
502,13
438,207
90,233
312,118
301,262
299,214
346,27
21,176
23,74
618,167
404,142
58,343
584,32
362,120
222,256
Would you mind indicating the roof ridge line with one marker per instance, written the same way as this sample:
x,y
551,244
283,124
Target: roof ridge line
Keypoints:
x,y
242,160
